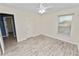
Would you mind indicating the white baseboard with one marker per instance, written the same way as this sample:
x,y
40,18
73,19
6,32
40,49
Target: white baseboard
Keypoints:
x,y
59,38
49,36
52,36
27,37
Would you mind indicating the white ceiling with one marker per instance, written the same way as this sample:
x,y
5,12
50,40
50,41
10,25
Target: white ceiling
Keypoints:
x,y
34,6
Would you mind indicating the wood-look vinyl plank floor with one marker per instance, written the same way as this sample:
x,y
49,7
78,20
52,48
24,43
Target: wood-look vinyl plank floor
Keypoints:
x,y
40,46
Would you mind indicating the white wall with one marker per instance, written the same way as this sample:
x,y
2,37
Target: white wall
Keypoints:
x,y
25,22
31,24
50,25
27,25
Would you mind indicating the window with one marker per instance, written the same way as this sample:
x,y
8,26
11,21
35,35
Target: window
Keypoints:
x,y
64,24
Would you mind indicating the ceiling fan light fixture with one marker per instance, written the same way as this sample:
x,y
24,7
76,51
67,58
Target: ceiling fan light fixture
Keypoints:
x,y
41,11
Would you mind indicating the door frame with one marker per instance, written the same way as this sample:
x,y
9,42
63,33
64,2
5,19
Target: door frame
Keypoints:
x,y
5,25
13,20
1,43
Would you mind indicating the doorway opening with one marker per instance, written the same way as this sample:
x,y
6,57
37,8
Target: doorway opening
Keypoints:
x,y
8,30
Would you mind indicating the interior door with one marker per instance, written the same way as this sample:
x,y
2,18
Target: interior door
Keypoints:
x,y
5,24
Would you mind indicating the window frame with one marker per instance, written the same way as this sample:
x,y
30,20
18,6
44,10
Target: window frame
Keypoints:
x,y
72,14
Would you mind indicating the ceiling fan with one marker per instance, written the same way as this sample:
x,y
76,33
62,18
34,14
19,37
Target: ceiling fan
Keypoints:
x,y
42,9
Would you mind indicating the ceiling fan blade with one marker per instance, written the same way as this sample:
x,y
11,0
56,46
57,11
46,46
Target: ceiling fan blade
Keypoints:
x,y
42,9
41,6
47,7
